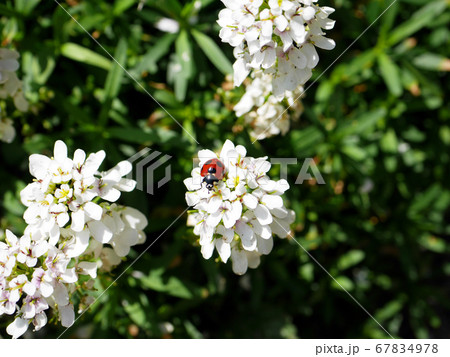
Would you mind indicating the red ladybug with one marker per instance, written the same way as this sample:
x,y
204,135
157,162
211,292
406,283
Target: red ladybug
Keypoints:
x,y
212,171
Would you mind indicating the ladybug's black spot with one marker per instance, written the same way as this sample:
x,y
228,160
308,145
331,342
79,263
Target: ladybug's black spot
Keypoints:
x,y
219,163
209,162
212,170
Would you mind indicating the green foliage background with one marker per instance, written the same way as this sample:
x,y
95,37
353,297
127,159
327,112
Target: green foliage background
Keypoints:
x,y
378,117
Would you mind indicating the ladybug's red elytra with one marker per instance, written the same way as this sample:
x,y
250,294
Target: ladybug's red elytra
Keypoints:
x,y
212,171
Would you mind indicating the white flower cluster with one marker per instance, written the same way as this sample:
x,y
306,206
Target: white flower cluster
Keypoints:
x,y
276,36
10,86
263,112
239,216
65,237
7,130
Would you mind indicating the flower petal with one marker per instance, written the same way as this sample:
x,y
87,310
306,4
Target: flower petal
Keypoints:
x,y
207,250
247,235
100,231
67,315
88,268
60,151
239,260
134,218
93,210
39,165
224,249
18,327
61,294
263,215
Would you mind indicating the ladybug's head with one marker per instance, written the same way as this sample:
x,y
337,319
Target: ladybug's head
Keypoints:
x,y
210,179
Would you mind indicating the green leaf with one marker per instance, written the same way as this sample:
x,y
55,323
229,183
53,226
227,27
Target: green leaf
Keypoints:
x,y
144,137
133,135
358,64
351,258
361,123
345,72
26,6
149,61
433,243
354,152
388,19
114,79
183,50
432,62
389,310
343,282
431,91
169,7
306,272
389,142
120,6
423,17
61,27
39,65
170,285
167,98
12,204
424,201
304,140
192,331
390,73
84,55
137,314
444,133
213,52
414,135
181,85
37,143
6,11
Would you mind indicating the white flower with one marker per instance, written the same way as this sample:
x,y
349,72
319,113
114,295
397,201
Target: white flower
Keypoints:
x,y
129,224
88,268
39,321
7,131
7,257
63,193
10,85
265,113
7,305
43,282
20,285
32,311
167,25
276,36
112,182
30,251
242,260
237,215
8,63
65,236
32,306
109,259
